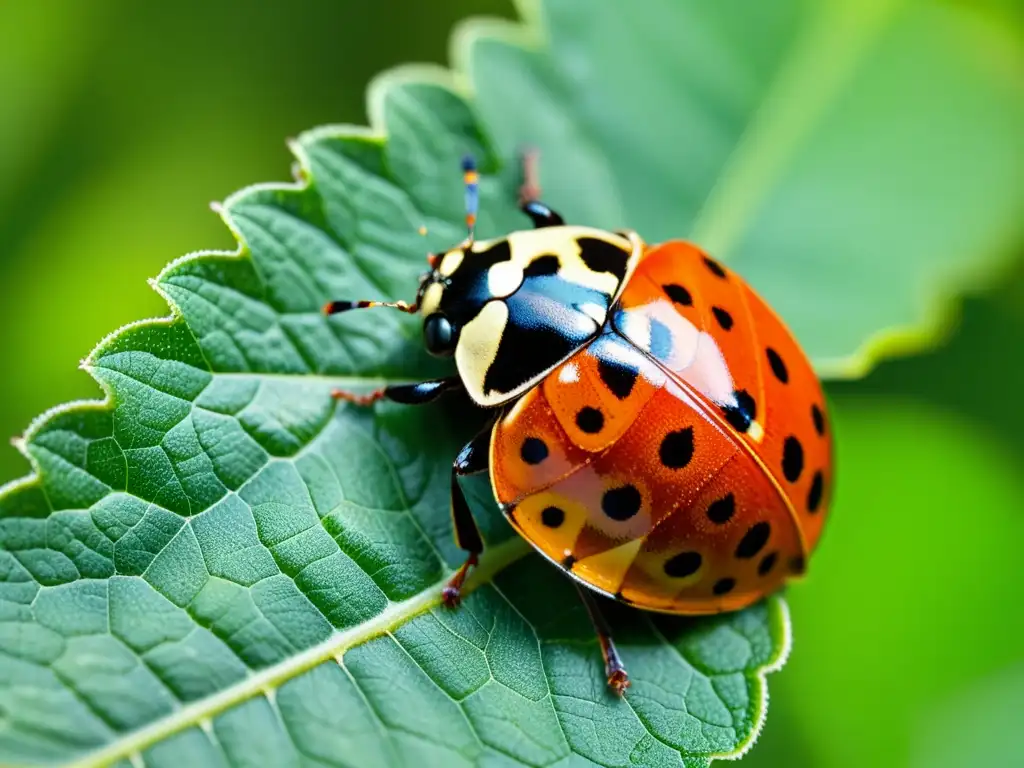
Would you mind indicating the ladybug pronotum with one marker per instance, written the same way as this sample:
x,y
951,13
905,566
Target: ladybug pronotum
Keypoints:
x,y
657,432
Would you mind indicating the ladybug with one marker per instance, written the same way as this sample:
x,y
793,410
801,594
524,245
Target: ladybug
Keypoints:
x,y
657,432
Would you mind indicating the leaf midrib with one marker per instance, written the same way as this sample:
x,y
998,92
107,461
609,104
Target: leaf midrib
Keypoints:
x,y
267,681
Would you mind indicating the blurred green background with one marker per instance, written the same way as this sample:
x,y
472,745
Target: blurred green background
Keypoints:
x,y
120,121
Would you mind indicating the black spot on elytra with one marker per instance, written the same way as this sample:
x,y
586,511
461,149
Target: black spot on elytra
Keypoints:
x,y
682,565
721,510
619,377
714,266
678,294
590,420
819,419
816,491
621,503
724,586
741,415
797,564
767,563
548,264
753,540
568,562
792,459
533,450
552,517
724,318
677,448
777,365
602,256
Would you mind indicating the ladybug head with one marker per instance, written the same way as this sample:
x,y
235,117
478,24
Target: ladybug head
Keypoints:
x,y
459,285
511,309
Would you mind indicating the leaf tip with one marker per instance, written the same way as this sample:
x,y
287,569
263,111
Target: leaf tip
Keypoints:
x,y
217,207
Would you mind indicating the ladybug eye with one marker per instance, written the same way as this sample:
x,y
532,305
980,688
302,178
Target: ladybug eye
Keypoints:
x,y
438,335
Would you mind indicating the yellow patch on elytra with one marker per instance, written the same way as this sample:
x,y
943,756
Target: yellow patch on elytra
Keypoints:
x,y
555,535
607,570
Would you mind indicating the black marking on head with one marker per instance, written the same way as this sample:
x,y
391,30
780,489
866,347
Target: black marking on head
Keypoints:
x,y
682,565
467,290
717,269
777,365
741,415
621,503
819,419
753,540
724,586
767,563
618,376
602,256
677,448
721,510
792,459
552,517
678,294
548,264
814,495
724,318
533,450
590,420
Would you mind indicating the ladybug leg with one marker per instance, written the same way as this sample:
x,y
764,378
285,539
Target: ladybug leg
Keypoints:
x,y
539,214
614,669
407,394
471,460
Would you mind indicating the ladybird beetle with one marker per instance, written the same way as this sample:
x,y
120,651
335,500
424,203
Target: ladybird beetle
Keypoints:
x,y
658,434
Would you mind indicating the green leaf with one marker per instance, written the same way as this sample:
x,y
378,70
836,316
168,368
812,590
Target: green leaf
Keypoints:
x,y
220,565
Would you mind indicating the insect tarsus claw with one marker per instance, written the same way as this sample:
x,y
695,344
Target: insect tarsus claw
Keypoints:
x,y
451,596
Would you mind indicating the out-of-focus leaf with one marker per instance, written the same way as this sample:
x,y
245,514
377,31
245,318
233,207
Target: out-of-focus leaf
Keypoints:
x,y
913,592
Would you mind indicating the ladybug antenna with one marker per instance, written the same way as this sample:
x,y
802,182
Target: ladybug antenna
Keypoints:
x,y
471,180
336,307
